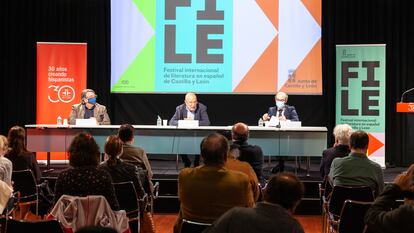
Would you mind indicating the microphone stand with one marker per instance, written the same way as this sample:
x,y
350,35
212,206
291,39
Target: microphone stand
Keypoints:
x,y
280,114
405,92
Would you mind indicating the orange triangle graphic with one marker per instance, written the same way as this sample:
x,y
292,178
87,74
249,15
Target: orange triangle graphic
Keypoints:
x,y
271,10
315,8
374,144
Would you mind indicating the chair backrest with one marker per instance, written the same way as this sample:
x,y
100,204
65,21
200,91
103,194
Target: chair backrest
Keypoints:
x,y
352,216
127,197
341,193
49,226
24,182
193,227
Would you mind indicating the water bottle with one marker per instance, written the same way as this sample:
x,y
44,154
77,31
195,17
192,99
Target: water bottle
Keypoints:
x,y
159,121
59,120
261,122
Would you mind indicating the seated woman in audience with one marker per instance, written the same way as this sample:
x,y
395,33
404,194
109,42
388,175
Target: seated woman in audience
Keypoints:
x,y
384,215
119,170
5,164
18,154
84,178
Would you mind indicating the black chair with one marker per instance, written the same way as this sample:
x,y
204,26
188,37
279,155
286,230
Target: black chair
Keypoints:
x,y
193,227
49,226
129,201
352,215
338,197
146,183
24,183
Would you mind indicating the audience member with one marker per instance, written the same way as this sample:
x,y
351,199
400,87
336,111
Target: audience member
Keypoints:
x,y
209,190
251,154
384,217
340,149
6,165
18,154
281,196
120,171
356,169
89,108
133,154
234,164
84,178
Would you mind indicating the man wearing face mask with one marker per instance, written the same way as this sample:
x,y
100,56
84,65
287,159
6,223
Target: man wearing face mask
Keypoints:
x,y
89,108
283,112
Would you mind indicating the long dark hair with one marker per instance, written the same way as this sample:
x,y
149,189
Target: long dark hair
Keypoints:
x,y
113,147
17,141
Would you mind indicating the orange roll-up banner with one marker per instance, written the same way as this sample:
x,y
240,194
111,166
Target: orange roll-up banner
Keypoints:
x,y
61,76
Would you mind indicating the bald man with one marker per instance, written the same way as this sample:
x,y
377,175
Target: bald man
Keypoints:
x,y
249,153
191,110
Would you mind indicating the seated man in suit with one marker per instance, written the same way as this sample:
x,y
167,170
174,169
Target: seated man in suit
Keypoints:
x,y
341,132
191,110
281,196
283,112
89,108
251,154
208,191
357,169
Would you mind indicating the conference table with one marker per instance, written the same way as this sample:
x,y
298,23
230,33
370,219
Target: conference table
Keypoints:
x,y
166,140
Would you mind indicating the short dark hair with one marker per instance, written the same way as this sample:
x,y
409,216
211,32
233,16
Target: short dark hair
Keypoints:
x,y
126,132
284,189
83,151
359,140
17,140
214,149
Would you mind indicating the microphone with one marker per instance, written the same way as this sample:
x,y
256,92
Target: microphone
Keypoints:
x,y
280,110
405,92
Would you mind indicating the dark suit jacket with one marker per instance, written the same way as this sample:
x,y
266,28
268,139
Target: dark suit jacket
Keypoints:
x,y
200,115
290,112
99,112
329,155
253,155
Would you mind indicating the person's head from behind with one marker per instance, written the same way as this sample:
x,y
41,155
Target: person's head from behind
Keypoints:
x,y
113,147
284,189
281,99
126,133
358,142
214,149
83,151
88,97
191,101
342,133
240,132
17,140
4,145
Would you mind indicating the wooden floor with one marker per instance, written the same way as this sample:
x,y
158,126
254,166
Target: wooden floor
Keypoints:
x,y
164,223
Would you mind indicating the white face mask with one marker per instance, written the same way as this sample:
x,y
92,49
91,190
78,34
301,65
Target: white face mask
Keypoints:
x,y
280,104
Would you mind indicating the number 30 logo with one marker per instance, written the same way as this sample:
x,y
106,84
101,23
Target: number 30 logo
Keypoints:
x,y
63,94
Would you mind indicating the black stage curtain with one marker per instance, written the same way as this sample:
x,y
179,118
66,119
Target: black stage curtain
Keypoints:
x,y
24,22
